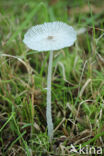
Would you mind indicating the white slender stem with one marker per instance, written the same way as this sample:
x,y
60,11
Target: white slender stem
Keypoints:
x,y
48,110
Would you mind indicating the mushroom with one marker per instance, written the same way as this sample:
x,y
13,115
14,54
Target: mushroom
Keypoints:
x,y
49,37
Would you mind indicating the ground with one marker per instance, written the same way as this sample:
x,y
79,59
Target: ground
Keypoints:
x,y
77,80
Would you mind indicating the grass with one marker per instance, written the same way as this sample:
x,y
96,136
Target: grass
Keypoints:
x,y
77,80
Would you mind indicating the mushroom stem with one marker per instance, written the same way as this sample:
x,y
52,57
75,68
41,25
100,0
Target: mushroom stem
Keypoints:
x,y
48,109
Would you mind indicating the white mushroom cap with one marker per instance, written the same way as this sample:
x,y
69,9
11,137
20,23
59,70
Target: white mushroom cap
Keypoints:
x,y
50,36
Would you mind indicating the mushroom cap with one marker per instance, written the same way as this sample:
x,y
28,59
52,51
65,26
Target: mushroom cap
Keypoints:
x,y
50,36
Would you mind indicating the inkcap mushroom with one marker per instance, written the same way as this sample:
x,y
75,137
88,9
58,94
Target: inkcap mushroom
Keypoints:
x,y
50,36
